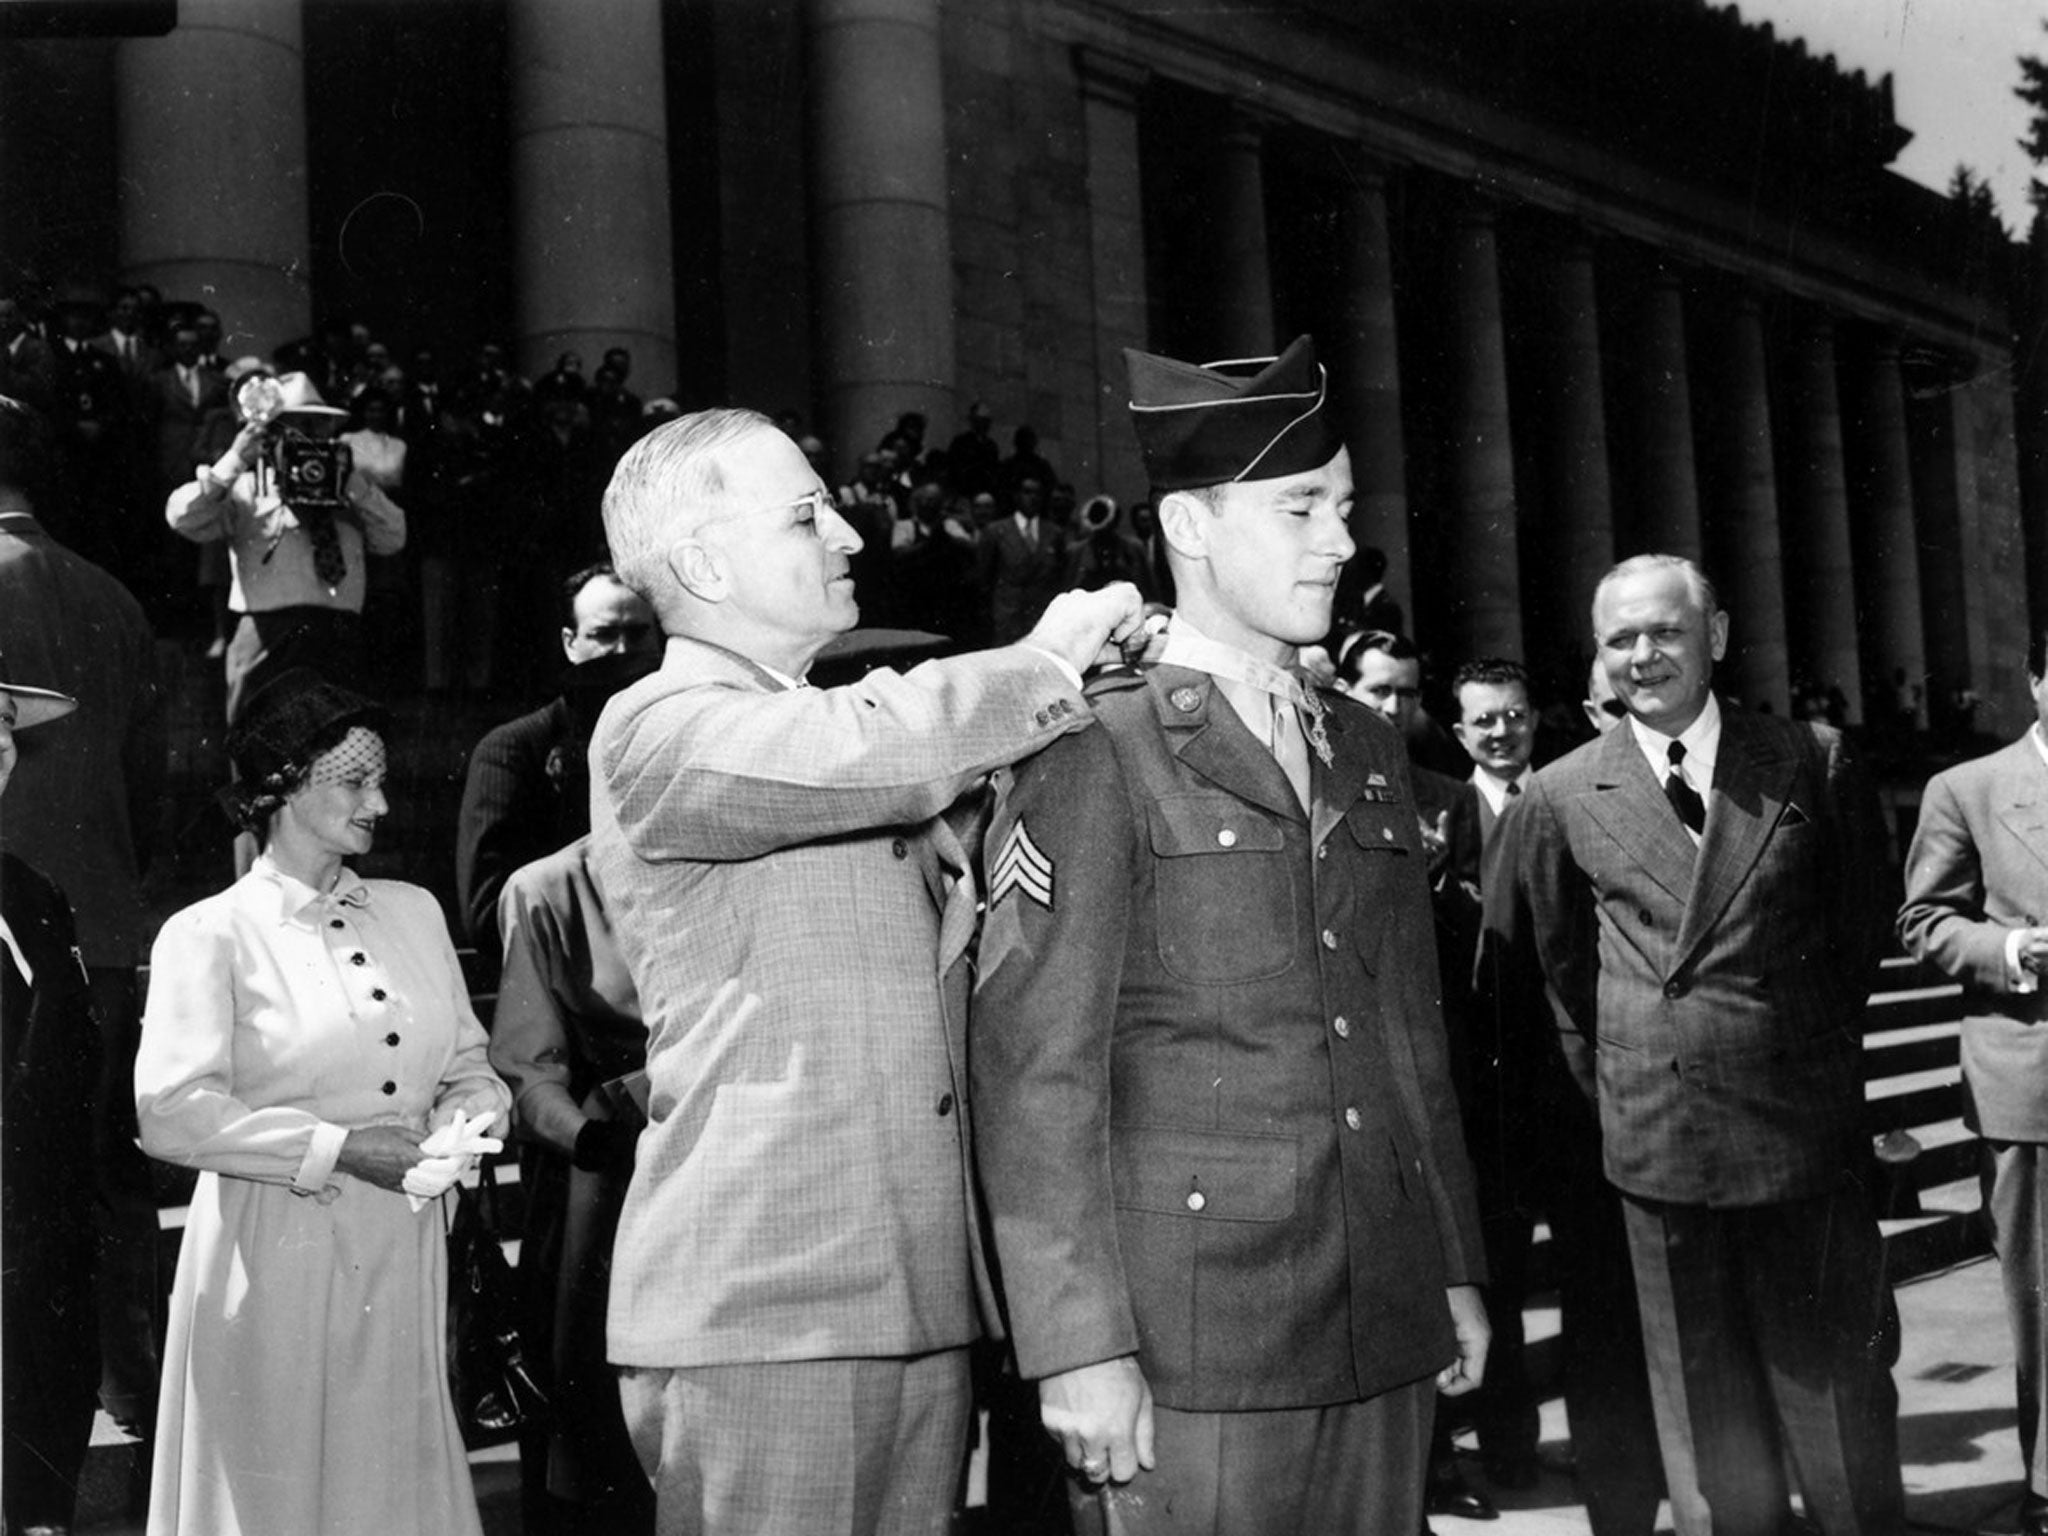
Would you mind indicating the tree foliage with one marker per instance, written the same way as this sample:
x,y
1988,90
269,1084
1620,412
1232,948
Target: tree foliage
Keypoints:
x,y
2033,90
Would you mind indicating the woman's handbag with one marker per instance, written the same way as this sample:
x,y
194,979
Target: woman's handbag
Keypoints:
x,y
496,1396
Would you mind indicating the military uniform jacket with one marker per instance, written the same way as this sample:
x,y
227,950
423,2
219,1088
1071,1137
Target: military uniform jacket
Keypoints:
x,y
1214,1122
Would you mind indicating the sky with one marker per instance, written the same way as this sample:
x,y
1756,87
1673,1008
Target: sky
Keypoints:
x,y
1952,68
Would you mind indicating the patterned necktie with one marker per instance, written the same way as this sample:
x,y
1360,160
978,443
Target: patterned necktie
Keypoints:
x,y
328,562
1685,800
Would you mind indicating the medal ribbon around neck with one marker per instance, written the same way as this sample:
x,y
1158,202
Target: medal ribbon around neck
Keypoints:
x,y
1202,654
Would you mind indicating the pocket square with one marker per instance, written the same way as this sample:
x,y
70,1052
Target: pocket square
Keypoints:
x,y
1793,817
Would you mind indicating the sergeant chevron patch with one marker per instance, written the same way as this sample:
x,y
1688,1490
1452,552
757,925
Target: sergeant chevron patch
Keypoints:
x,y
1021,866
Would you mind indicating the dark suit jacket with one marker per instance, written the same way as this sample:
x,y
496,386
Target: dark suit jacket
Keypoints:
x,y
1214,1118
523,798
176,420
1020,580
51,1063
1722,986
1977,870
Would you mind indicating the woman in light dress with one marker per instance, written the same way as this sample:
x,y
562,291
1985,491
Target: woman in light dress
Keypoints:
x,y
305,1030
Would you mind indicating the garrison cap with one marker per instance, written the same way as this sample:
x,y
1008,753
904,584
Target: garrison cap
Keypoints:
x,y
1254,418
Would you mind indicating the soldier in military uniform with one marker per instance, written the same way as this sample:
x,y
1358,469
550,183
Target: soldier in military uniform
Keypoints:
x,y
1214,1118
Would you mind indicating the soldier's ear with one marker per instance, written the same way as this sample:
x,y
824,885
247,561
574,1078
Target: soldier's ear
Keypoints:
x,y
1717,633
1184,524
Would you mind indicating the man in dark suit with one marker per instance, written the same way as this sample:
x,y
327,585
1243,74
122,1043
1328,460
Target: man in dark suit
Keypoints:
x,y
49,1061
1976,897
1023,562
1706,893
527,789
1214,1118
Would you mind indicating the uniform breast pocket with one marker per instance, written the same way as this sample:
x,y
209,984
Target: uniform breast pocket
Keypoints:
x,y
1224,890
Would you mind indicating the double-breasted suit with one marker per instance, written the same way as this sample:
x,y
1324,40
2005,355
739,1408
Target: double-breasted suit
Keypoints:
x,y
1978,872
1718,989
1215,1123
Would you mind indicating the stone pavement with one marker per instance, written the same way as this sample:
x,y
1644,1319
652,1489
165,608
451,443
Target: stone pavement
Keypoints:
x,y
1956,1426
1956,1429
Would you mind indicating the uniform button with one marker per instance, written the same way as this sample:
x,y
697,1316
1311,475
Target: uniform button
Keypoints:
x,y
1644,917
392,1038
389,1089
1323,852
335,922
1227,838
945,1104
1353,1118
900,848
1343,1027
1196,1199
359,958
1674,989
1387,834
1329,938
378,994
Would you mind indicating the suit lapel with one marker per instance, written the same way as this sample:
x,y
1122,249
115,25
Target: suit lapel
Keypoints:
x,y
1752,785
2023,798
1204,732
1629,804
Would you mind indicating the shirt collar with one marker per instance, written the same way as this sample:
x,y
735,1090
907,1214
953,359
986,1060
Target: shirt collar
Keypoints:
x,y
1702,741
2040,744
1493,787
292,899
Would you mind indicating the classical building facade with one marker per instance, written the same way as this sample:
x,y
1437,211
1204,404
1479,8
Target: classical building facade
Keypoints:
x,y
1592,277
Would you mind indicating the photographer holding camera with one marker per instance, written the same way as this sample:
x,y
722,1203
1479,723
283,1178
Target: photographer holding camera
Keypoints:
x,y
299,519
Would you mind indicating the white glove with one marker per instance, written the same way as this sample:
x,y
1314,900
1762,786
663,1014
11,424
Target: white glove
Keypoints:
x,y
450,1151
431,1178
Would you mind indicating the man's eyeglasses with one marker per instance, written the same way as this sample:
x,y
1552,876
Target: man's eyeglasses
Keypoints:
x,y
819,502
1508,717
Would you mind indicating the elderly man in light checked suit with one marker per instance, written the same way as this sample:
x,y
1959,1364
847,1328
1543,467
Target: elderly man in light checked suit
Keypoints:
x,y
796,1279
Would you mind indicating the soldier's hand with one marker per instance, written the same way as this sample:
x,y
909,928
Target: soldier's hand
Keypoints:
x,y
1083,628
1101,1414
1468,1322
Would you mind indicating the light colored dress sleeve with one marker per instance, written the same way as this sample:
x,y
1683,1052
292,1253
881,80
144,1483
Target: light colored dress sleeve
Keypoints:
x,y
184,1075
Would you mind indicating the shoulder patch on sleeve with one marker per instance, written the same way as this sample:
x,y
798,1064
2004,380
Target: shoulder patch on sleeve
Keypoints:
x,y
1021,865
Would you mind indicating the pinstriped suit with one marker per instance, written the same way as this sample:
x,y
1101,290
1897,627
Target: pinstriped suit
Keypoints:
x,y
795,912
1719,989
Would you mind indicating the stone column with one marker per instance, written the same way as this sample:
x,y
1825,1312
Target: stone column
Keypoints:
x,y
1820,573
1744,554
593,251
211,141
1365,371
1883,530
1244,275
883,255
1667,487
1943,482
1573,447
1116,237
1484,585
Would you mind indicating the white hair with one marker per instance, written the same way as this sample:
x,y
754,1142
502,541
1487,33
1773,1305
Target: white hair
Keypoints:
x,y
666,486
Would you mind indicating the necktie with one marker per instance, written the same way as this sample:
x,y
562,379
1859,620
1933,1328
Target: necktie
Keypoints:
x,y
1290,748
1685,800
1514,788
329,564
